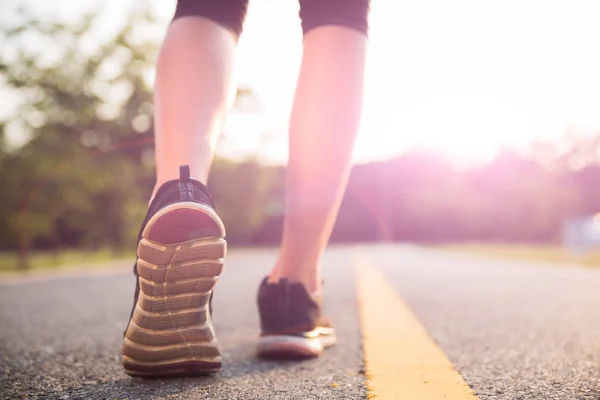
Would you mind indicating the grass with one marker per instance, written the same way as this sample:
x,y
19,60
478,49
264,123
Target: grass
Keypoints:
x,y
67,259
518,252
62,259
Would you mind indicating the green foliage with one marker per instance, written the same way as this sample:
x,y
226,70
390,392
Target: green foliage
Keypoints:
x,y
241,192
84,173
79,178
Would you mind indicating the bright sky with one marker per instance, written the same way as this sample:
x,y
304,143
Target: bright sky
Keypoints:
x,y
463,77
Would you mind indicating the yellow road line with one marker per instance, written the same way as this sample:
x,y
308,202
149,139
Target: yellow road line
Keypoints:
x,y
402,361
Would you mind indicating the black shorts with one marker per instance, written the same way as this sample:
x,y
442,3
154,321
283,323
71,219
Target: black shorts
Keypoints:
x,y
313,13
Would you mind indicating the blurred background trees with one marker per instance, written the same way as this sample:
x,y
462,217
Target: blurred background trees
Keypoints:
x,y
81,172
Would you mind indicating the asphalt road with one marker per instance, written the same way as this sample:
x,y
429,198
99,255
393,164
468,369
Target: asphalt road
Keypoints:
x,y
514,331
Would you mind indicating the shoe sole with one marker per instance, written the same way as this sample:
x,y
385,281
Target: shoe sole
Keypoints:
x,y
180,258
294,347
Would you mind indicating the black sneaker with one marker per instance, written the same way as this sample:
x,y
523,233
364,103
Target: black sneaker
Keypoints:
x,y
180,254
291,322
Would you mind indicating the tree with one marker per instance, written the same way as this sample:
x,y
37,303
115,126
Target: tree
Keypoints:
x,y
83,174
86,114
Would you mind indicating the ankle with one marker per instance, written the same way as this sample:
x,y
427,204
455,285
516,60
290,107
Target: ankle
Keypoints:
x,y
198,172
311,281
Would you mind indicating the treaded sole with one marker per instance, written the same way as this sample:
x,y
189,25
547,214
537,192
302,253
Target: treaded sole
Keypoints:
x,y
171,332
175,369
294,347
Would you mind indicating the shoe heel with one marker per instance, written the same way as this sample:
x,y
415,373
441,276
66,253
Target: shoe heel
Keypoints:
x,y
171,331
